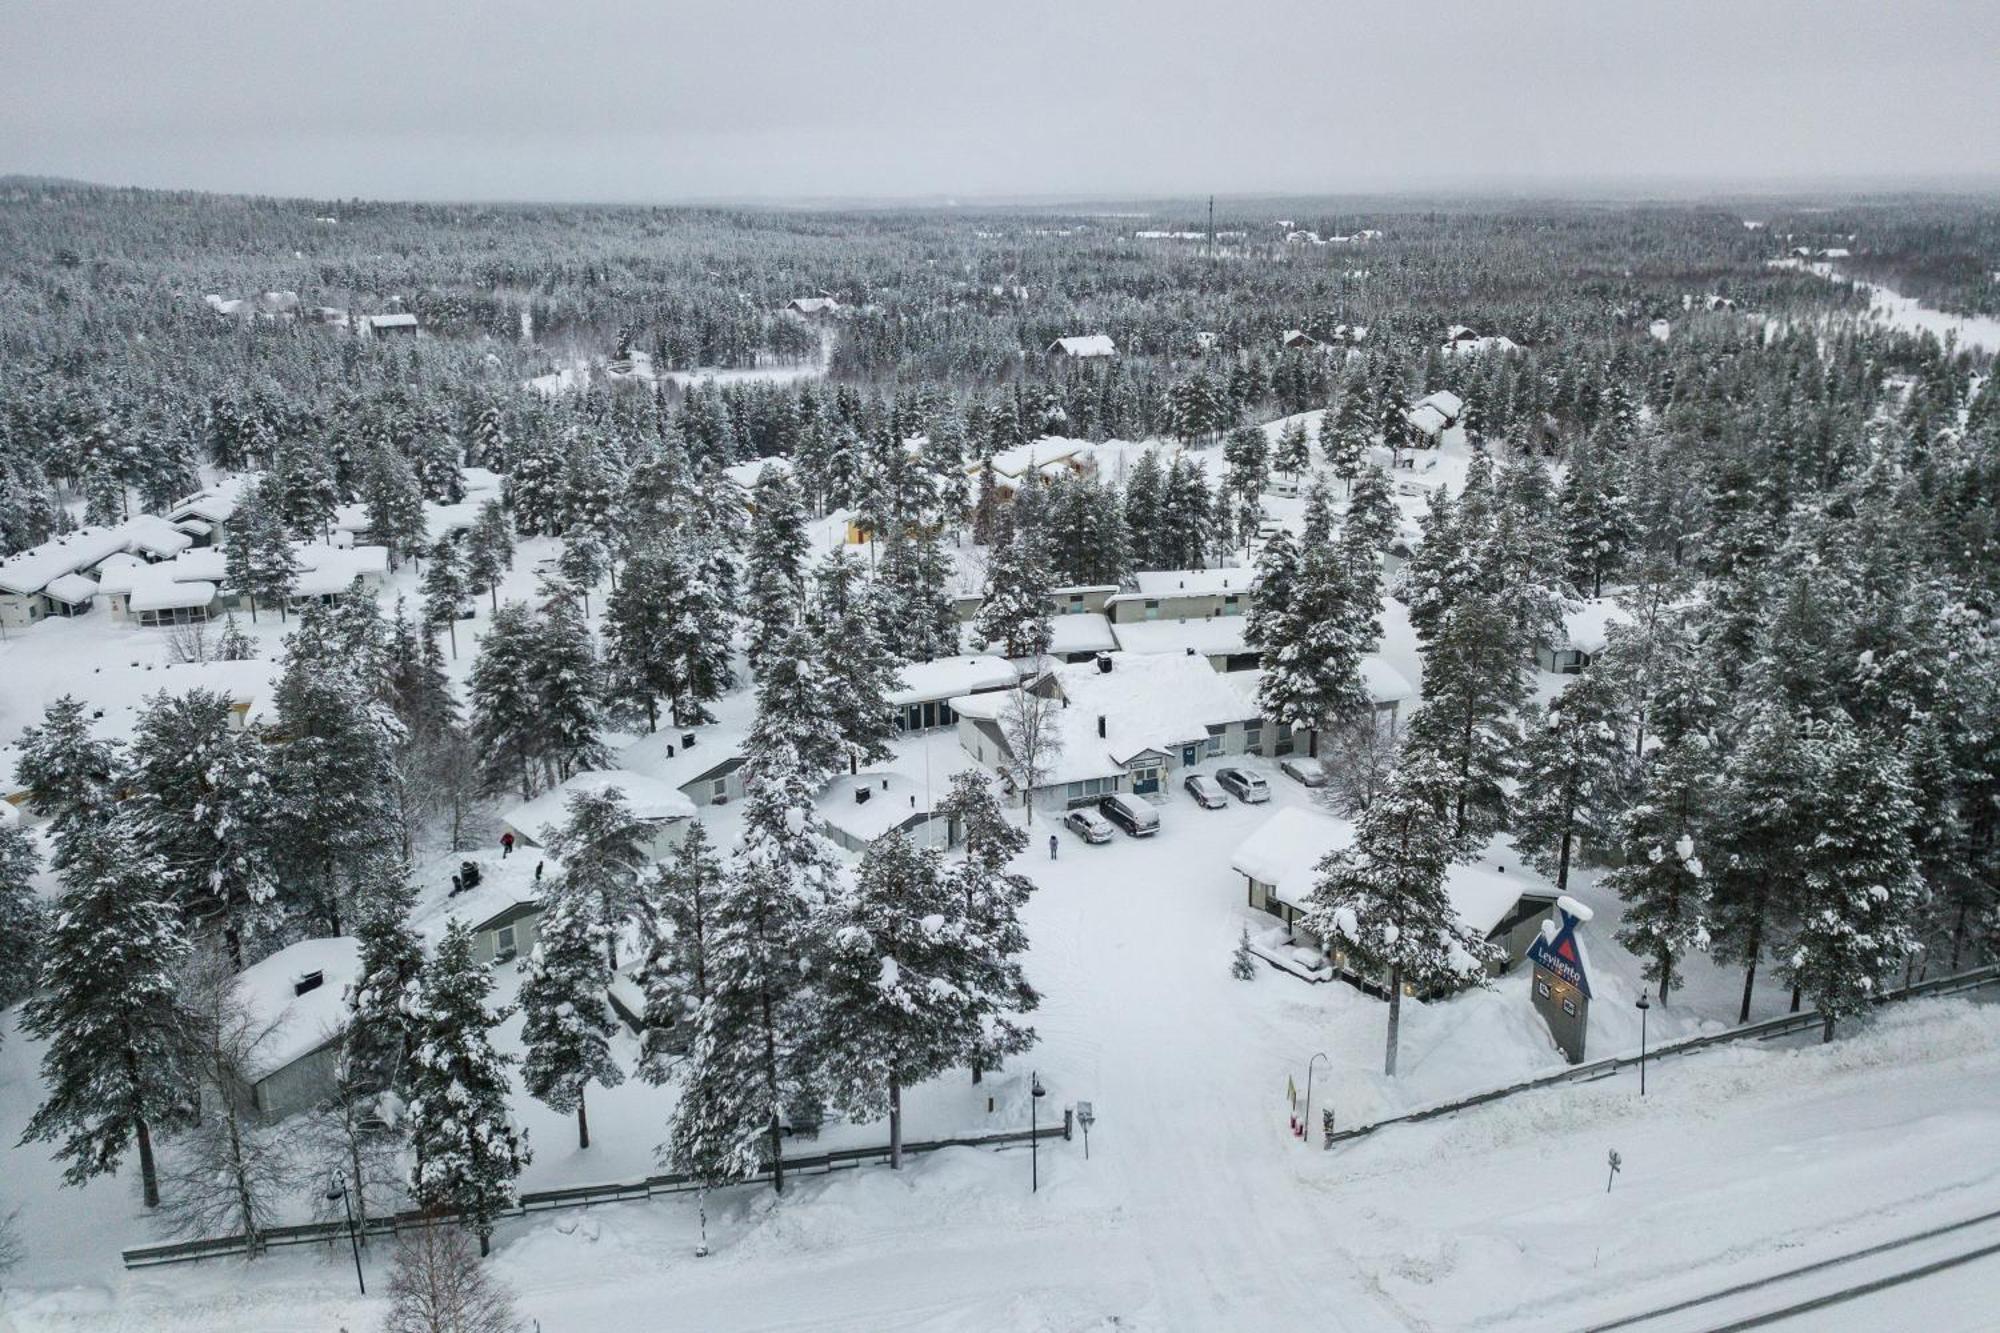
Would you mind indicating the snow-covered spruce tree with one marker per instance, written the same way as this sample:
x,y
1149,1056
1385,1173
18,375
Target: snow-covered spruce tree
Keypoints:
x,y
568,1022
199,793
991,898
1187,516
1382,902
1016,611
115,1069
1860,894
678,898
1247,451
505,726
68,772
641,665
1372,517
489,551
23,919
1293,456
913,609
335,775
601,846
381,1004
567,684
1343,434
796,700
227,1173
1664,879
1473,685
1575,774
258,561
898,983
861,668
1143,510
1761,826
774,566
444,588
1312,659
1596,526
468,1153
751,1056
1277,567
234,645
395,503
1243,963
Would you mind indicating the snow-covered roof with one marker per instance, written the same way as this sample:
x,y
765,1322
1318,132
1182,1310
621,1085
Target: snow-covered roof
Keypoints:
x,y
813,305
442,520
328,570
1426,419
300,1023
1385,684
1089,344
1448,404
650,800
217,504
1032,456
748,474
1207,636
1285,852
479,480
34,569
1147,703
1082,632
1479,346
167,594
1188,583
114,696
74,589
1587,628
889,803
405,320
950,675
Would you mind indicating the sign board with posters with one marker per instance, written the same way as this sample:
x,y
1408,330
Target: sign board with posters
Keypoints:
x,y
1561,993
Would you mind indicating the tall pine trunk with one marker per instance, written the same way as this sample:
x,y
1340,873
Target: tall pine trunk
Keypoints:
x,y
149,1175
1395,1018
1752,949
582,1122
771,1088
895,1123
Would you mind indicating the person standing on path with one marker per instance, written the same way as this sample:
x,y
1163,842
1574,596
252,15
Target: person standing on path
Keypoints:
x,y
1052,846
506,844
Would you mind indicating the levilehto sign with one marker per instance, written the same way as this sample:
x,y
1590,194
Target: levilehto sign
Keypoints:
x,y
1561,993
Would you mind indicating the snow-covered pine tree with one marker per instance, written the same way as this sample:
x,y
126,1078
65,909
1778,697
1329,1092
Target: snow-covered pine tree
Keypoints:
x,y
566,684
1144,512
990,899
913,609
199,794
601,846
1860,895
1243,963
382,1002
115,1067
1474,683
1596,526
679,898
1294,452
1663,878
258,561
861,670
23,919
468,1153
1277,567
1315,643
444,588
489,551
68,772
234,645
1372,517
900,969
567,1019
1016,611
641,664
774,566
395,503
505,726
1343,434
1762,803
1575,772
1381,904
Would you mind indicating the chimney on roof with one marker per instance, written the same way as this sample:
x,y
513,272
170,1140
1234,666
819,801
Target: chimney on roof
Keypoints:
x,y
1100,726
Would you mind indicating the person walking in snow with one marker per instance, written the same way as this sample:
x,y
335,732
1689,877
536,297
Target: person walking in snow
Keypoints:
x,y
506,844
1052,846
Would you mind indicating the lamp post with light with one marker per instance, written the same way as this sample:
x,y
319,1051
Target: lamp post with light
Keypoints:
x,y
1644,1005
337,1189
1317,1057
1035,1094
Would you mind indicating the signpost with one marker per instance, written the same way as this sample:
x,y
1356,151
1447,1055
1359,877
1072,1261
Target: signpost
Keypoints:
x,y
1561,992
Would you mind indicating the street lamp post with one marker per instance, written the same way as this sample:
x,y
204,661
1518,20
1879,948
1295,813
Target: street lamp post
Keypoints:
x,y
1319,1056
337,1189
1035,1094
1644,1005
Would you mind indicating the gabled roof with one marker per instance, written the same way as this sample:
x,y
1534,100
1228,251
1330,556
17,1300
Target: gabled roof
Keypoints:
x,y
648,798
1089,344
299,1023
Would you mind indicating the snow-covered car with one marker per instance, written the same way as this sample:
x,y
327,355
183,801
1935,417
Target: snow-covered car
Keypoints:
x,y
1088,825
1130,813
1245,787
1305,772
1206,793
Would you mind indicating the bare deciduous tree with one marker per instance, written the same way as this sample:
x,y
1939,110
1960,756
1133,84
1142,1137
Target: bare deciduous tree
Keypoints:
x,y
439,1286
228,1173
189,643
1358,762
1028,723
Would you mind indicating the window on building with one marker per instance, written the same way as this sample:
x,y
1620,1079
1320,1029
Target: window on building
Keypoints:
x,y
503,942
311,981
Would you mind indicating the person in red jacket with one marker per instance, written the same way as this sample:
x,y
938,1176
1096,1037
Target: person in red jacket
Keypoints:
x,y
506,844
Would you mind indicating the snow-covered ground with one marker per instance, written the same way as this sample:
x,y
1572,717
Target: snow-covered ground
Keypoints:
x,y
1975,333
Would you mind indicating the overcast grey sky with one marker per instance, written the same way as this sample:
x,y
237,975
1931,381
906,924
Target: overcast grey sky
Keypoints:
x,y
637,101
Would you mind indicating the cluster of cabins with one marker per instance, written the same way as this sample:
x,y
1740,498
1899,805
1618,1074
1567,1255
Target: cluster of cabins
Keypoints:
x,y
163,570
286,308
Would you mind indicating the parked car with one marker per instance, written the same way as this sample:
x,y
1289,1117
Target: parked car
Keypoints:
x,y
1206,793
1245,787
1088,825
1131,814
1306,772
